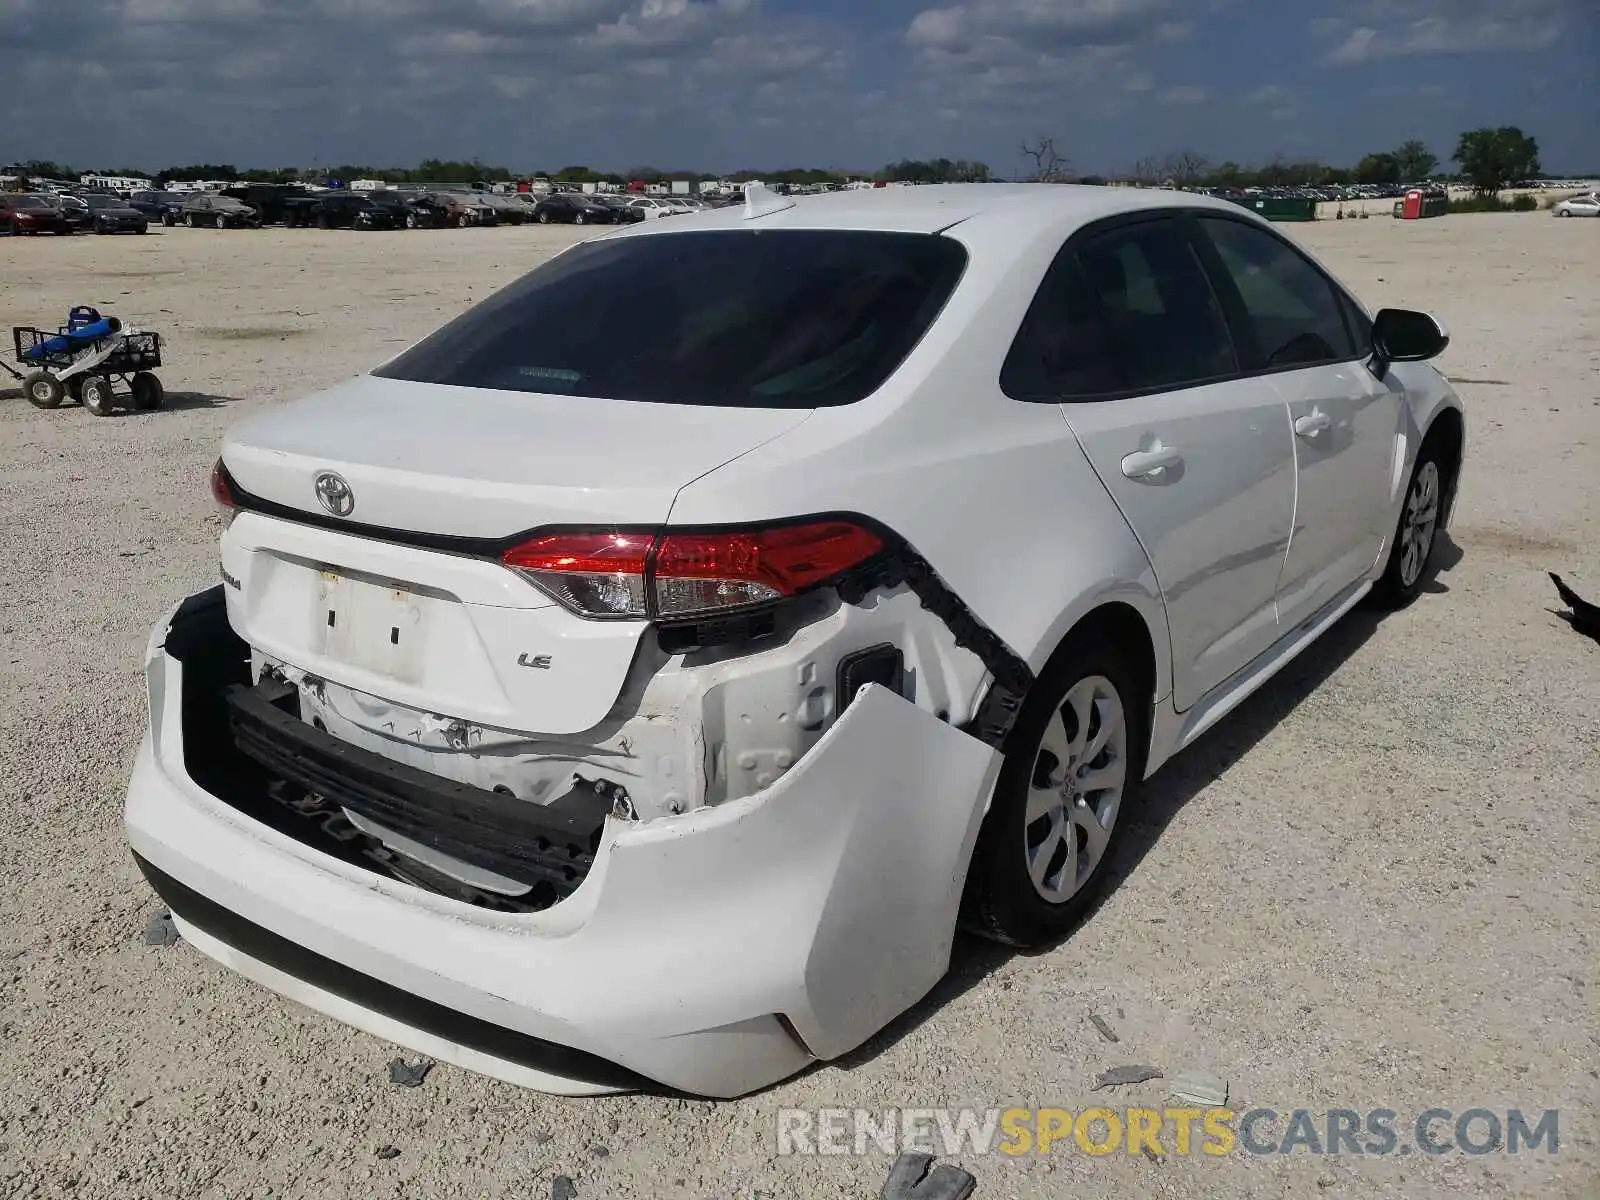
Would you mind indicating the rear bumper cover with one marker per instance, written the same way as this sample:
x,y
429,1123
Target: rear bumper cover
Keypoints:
x,y
714,952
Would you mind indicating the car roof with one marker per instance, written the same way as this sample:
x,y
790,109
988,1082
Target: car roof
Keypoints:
x,y
1026,208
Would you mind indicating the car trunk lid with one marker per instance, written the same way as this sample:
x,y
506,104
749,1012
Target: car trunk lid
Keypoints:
x,y
403,598
476,463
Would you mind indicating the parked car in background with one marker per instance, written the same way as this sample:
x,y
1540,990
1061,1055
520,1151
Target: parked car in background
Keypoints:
x,y
73,209
651,207
572,208
622,210
166,207
412,211
21,212
530,203
507,207
464,209
112,214
273,201
220,212
1579,206
341,210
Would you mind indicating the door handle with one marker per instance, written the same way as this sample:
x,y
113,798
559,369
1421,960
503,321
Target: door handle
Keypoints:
x,y
1144,464
1312,424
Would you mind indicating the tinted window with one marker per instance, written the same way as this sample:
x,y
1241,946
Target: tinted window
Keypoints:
x,y
770,319
1293,308
1064,349
1160,314
1359,323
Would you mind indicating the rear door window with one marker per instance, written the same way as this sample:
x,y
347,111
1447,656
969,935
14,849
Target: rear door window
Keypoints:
x,y
1152,293
1294,311
767,319
1126,310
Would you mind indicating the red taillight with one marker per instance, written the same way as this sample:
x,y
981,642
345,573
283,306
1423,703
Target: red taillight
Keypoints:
x,y
667,574
595,574
699,571
220,491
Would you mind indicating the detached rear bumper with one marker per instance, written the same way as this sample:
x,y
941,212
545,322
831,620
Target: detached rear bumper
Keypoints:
x,y
714,952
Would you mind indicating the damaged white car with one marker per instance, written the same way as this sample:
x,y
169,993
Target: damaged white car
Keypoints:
x,y
602,703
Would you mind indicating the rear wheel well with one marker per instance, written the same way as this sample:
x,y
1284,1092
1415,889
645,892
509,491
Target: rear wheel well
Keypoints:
x,y
1122,626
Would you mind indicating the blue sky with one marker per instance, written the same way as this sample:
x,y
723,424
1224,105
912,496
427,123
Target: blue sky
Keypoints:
x,y
728,84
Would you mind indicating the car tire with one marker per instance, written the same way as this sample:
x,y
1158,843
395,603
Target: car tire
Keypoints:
x,y
148,394
579,219
1042,855
98,397
43,390
1416,533
222,222
188,220
543,218
323,222
168,220
411,220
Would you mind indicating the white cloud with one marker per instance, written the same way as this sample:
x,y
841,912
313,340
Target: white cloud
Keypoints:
x,y
1184,94
1402,28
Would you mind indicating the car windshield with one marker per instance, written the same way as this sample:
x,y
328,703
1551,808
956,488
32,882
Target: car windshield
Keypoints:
x,y
228,202
764,319
27,202
102,202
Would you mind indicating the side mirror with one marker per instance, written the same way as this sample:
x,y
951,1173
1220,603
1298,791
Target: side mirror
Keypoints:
x,y
1402,335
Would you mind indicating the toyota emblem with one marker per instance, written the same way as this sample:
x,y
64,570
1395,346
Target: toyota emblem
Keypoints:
x,y
334,494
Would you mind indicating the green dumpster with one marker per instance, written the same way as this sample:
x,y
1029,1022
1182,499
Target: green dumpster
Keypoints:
x,y
1280,208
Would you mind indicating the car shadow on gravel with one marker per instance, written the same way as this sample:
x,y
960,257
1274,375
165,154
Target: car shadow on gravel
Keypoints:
x,y
1182,778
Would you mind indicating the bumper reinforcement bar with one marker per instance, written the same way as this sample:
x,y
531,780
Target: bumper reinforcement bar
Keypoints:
x,y
549,847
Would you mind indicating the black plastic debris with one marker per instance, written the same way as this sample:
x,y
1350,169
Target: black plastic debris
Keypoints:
x,y
159,929
1106,1031
1585,617
1122,1076
409,1074
562,1188
912,1179
387,1152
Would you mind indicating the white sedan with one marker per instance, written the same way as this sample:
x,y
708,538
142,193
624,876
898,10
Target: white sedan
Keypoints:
x,y
1579,206
601,703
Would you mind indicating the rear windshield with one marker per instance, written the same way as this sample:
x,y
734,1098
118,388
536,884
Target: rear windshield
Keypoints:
x,y
763,319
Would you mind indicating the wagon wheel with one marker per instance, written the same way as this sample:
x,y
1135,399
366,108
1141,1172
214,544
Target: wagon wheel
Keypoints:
x,y
98,397
148,394
43,390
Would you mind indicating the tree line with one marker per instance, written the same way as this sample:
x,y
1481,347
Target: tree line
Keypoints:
x,y
1489,159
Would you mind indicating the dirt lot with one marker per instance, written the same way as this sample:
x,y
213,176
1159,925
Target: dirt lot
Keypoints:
x,y
1375,886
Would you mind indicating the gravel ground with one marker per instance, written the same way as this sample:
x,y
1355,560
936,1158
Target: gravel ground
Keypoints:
x,y
1374,886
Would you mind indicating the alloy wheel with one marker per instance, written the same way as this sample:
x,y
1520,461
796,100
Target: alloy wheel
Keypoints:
x,y
1421,521
1080,771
